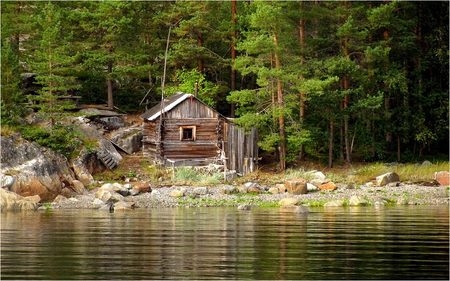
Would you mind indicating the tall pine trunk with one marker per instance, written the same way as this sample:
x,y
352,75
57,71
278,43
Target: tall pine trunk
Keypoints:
x,y
348,153
330,147
280,107
233,56
387,99
110,87
302,32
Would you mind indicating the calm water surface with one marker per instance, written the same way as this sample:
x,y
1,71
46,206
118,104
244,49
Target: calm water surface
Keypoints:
x,y
408,242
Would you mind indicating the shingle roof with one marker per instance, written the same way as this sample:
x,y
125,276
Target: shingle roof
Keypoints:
x,y
169,103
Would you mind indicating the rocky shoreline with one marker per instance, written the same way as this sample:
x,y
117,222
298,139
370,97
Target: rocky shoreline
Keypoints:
x,y
190,196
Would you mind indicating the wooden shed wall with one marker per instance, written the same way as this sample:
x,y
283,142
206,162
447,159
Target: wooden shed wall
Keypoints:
x,y
204,146
241,149
191,109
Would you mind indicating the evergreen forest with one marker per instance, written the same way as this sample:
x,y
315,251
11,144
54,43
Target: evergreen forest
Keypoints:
x,y
338,81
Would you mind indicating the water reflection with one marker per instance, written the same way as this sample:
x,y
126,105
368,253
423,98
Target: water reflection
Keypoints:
x,y
223,243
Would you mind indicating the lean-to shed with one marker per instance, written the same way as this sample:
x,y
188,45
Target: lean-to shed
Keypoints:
x,y
183,130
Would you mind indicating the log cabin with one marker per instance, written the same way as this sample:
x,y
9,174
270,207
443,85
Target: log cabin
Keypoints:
x,y
184,131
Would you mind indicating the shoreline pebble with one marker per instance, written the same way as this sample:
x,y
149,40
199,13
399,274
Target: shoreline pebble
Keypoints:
x,y
373,195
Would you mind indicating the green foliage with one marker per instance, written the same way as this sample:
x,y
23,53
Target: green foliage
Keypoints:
x,y
61,138
51,58
207,91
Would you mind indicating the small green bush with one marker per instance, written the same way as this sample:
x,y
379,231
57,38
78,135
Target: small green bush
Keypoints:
x,y
185,175
61,138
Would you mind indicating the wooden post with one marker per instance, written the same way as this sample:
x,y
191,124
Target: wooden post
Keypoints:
x,y
224,169
173,167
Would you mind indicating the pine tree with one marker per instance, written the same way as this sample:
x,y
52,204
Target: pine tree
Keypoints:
x,y
50,61
15,21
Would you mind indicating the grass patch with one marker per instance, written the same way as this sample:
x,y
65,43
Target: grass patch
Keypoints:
x,y
233,201
186,175
7,130
314,203
412,172
298,173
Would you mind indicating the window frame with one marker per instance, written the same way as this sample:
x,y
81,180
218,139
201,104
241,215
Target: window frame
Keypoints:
x,y
194,130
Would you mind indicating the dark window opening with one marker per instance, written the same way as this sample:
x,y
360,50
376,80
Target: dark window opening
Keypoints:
x,y
187,134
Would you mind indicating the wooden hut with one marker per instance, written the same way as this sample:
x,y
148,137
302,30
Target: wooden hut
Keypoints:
x,y
182,130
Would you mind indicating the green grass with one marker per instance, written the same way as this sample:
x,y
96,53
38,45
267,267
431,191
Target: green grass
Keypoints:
x,y
411,172
314,203
185,175
233,201
361,174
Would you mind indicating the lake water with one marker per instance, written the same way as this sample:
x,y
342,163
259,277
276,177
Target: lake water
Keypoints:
x,y
407,242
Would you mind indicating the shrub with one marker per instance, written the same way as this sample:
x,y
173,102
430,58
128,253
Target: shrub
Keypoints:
x,y
61,138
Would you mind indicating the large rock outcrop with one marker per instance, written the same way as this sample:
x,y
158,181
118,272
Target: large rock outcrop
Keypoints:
x,y
35,170
129,139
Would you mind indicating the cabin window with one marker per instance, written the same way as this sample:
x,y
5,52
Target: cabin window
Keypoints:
x,y
187,133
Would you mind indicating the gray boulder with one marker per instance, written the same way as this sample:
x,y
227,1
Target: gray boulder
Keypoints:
x,y
112,122
387,178
81,167
129,139
228,189
200,190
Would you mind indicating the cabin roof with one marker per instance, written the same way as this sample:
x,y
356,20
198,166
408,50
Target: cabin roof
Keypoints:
x,y
169,103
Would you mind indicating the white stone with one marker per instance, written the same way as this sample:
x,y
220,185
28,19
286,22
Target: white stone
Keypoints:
x,y
311,187
319,176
